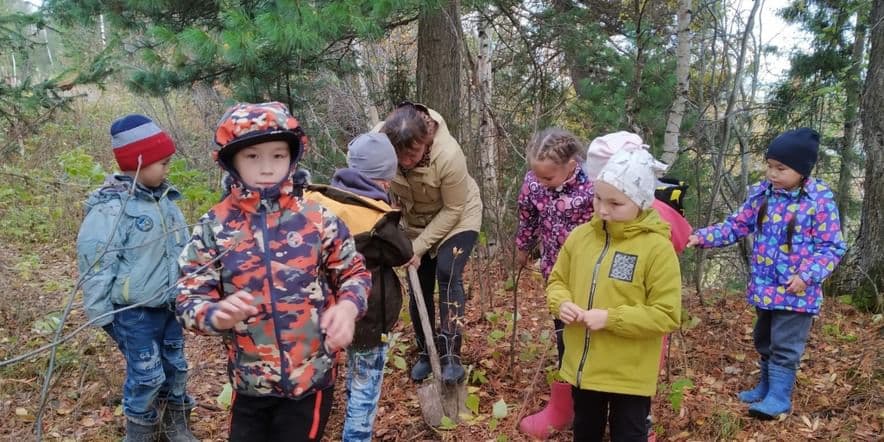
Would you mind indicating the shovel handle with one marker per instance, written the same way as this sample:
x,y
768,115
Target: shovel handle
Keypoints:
x,y
429,338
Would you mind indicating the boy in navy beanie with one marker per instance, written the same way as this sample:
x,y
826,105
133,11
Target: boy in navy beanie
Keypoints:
x,y
127,252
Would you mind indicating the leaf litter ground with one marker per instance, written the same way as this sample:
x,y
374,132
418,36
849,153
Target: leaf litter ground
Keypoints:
x,y
840,393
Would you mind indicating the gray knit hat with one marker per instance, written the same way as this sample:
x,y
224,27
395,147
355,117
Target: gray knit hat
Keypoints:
x,y
373,155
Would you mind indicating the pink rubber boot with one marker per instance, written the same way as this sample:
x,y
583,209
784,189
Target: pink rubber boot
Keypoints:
x,y
558,414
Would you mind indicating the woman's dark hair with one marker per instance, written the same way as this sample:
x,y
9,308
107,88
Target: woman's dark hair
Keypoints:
x,y
406,126
790,228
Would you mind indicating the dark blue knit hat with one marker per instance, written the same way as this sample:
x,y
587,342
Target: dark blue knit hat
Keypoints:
x,y
798,149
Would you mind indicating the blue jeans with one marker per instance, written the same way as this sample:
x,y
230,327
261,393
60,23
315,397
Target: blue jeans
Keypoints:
x,y
152,341
364,381
780,336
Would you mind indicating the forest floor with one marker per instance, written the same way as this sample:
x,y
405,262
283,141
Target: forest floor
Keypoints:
x,y
839,396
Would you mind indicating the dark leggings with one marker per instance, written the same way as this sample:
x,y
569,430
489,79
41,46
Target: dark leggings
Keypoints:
x,y
446,269
626,414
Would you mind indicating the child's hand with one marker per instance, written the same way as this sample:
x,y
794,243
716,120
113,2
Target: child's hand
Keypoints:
x,y
233,309
338,324
570,312
595,319
795,284
693,240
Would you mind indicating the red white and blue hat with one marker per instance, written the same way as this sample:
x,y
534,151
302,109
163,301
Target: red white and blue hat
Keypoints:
x,y
135,137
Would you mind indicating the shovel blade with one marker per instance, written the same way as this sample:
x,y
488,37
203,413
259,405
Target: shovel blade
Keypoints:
x,y
454,399
430,398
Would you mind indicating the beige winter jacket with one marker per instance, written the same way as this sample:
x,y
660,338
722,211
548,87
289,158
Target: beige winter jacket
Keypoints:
x,y
441,199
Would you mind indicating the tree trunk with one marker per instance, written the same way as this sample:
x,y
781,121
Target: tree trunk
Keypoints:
x,y
487,128
102,32
439,61
14,81
370,110
862,273
48,49
852,89
632,100
682,70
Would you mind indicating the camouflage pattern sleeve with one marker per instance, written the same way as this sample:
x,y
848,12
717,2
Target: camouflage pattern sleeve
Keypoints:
x,y
198,291
345,267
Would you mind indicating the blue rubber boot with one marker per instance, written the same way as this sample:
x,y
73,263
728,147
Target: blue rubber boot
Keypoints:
x,y
779,394
760,391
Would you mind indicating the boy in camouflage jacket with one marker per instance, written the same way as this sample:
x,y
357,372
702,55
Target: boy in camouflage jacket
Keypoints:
x,y
284,285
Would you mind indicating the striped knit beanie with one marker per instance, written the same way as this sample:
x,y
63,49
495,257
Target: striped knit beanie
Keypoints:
x,y
136,136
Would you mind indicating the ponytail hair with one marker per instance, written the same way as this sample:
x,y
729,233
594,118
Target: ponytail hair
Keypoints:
x,y
790,227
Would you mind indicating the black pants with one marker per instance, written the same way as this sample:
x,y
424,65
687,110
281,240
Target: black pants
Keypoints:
x,y
275,419
626,414
446,268
559,328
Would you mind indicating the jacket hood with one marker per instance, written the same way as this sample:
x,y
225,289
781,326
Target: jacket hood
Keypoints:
x,y
354,181
115,186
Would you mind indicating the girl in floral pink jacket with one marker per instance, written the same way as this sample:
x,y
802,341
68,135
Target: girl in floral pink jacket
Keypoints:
x,y
556,197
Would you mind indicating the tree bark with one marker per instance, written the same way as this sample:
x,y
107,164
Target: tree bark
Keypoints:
x,y
852,92
682,70
487,128
632,100
369,109
862,273
439,61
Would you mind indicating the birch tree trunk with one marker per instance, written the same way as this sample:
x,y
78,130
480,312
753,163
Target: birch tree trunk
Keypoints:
x,y
682,70
370,110
48,49
14,71
102,31
487,128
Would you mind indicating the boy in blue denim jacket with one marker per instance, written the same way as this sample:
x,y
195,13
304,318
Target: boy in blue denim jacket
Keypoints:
x,y
127,252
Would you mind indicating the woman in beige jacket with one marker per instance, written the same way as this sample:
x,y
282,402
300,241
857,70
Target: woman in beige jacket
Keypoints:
x,y
442,213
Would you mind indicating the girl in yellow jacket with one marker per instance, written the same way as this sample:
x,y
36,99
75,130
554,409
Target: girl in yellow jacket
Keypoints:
x,y
617,287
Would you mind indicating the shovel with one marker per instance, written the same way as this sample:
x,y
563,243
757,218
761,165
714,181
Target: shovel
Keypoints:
x,y
437,399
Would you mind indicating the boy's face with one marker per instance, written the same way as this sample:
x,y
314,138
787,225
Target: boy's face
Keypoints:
x,y
613,205
782,176
154,174
263,165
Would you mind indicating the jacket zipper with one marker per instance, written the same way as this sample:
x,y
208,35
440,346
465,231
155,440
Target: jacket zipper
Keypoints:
x,y
283,365
595,273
